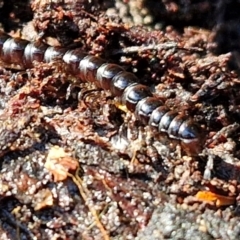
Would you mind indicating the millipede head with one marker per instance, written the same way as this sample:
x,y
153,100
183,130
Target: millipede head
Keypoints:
x,y
191,137
188,130
133,94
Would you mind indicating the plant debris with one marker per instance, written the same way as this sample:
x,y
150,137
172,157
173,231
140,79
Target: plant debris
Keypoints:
x,y
75,164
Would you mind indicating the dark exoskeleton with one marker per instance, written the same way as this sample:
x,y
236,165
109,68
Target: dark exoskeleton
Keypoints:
x,y
136,97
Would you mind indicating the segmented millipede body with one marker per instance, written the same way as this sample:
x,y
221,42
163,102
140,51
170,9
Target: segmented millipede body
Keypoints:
x,y
137,97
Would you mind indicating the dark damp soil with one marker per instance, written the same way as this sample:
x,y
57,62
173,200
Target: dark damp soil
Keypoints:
x,y
75,166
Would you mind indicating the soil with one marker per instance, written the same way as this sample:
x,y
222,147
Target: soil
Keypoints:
x,y
75,165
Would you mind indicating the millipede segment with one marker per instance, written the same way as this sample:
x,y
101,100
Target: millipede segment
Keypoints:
x,y
112,77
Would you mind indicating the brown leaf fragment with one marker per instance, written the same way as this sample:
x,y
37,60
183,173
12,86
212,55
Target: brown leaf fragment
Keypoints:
x,y
59,163
43,198
218,200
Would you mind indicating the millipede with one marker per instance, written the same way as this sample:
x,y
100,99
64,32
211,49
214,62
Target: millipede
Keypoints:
x,y
137,97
